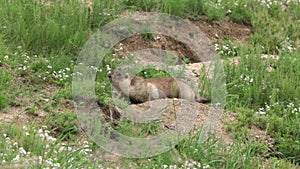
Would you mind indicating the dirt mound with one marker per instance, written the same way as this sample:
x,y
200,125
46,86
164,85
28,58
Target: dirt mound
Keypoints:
x,y
138,42
214,30
176,110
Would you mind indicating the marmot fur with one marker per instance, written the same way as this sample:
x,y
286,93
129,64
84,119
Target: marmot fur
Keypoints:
x,y
140,90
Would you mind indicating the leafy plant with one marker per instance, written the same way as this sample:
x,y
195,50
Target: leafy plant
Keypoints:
x,y
153,73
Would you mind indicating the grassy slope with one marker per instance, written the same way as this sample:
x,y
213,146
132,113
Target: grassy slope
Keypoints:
x,y
39,45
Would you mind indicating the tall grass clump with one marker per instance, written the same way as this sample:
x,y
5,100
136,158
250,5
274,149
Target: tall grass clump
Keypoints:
x,y
276,27
5,86
47,26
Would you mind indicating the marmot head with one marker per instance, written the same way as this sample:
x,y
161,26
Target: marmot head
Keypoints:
x,y
120,81
117,76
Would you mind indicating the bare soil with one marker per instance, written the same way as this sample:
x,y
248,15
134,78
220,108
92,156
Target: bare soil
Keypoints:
x,y
218,30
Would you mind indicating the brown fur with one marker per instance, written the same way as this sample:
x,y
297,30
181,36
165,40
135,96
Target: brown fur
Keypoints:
x,y
140,90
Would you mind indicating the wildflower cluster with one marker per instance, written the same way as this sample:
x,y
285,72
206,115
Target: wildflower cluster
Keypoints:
x,y
119,48
187,164
44,134
244,82
12,151
269,61
284,4
226,49
21,155
82,152
291,108
95,69
86,150
263,110
62,74
235,4
105,14
217,5
108,13
49,153
37,66
287,45
288,110
243,85
25,65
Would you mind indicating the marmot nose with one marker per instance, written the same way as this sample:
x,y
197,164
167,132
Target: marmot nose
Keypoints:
x,y
109,76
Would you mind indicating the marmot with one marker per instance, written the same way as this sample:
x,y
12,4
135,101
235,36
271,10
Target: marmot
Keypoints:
x,y
140,90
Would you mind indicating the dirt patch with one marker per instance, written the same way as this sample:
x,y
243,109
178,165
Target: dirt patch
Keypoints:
x,y
261,136
218,30
29,105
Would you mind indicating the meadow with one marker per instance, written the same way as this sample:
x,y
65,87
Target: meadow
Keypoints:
x,y
40,41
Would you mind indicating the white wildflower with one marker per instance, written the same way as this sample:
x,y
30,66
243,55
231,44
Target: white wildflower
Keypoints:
x,y
16,159
206,166
22,151
40,160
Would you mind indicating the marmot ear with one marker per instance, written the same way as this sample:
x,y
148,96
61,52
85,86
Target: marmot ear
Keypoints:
x,y
118,73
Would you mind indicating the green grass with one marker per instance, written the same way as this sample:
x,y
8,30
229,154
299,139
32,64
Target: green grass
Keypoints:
x,y
3,100
272,97
5,81
39,44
